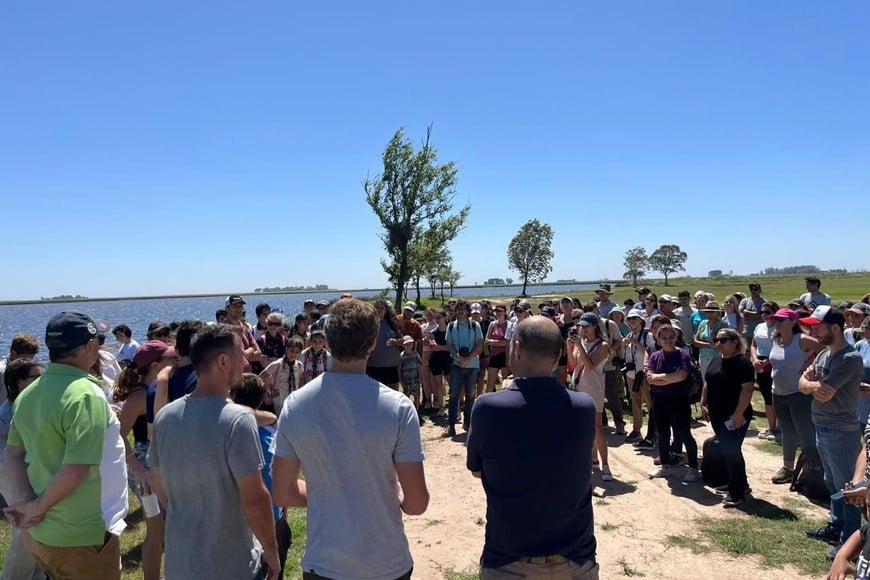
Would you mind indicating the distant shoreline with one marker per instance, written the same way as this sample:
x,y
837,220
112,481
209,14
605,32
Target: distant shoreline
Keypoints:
x,y
249,293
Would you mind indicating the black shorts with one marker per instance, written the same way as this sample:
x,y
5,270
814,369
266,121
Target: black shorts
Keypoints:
x,y
384,375
563,360
440,363
498,361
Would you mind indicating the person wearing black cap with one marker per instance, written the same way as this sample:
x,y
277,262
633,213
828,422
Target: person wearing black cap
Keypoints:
x,y
72,493
833,379
235,308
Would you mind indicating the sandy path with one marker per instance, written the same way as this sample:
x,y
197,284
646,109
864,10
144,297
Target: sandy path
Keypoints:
x,y
644,512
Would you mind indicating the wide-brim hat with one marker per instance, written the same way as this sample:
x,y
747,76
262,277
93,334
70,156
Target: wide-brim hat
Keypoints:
x,y
712,306
604,289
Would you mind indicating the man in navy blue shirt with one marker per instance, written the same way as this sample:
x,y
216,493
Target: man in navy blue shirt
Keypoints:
x,y
531,445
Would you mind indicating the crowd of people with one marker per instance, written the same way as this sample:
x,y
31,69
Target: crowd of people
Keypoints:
x,y
211,424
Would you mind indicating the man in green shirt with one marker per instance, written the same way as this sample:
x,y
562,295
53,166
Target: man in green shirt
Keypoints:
x,y
71,494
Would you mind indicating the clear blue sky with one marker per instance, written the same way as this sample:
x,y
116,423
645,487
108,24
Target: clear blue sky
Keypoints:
x,y
163,147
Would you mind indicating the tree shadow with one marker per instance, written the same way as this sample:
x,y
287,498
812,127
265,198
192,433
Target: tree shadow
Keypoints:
x,y
135,517
131,560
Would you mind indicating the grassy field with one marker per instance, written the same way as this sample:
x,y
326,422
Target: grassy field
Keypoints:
x,y
782,289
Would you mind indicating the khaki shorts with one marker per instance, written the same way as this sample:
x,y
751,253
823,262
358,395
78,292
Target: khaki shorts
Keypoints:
x,y
79,562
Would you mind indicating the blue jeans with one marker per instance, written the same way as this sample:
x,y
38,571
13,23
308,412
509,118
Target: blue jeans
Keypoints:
x,y
838,451
461,378
731,444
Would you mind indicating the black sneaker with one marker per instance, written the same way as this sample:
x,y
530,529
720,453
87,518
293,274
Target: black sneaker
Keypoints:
x,y
449,432
784,475
828,534
633,436
645,444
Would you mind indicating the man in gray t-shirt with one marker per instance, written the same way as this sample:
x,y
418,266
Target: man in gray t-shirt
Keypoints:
x,y
358,443
833,380
205,462
750,309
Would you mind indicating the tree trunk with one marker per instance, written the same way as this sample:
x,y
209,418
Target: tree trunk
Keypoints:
x,y
666,278
525,283
417,285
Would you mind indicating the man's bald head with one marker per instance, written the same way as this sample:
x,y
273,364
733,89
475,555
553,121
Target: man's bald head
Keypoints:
x,y
535,347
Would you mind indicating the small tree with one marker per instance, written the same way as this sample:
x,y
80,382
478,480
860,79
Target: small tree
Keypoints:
x,y
635,262
413,195
667,259
530,252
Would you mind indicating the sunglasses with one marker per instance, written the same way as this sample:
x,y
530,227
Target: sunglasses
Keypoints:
x,y
766,312
723,340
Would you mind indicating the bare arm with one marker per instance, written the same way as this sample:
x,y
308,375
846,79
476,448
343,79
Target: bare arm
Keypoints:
x,y
601,353
287,489
64,482
134,406
412,478
257,507
161,396
16,474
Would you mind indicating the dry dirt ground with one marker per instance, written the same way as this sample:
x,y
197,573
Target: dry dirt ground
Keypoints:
x,y
637,513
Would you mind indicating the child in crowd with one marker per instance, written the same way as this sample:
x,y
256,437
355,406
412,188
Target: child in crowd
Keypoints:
x,y
252,393
284,375
410,372
315,358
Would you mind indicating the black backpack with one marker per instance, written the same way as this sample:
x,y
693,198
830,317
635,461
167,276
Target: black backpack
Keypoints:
x,y
714,472
809,478
694,384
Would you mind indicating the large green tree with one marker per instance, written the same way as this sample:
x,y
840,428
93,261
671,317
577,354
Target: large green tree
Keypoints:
x,y
636,263
413,199
530,252
667,259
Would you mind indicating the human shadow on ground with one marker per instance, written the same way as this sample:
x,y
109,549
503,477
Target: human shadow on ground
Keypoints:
x,y
611,488
762,508
693,491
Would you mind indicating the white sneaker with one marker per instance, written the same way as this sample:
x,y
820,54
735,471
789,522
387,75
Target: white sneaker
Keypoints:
x,y
691,476
661,471
605,474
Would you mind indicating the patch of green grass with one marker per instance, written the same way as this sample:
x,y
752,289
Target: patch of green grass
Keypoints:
x,y
430,523
627,570
602,502
776,535
771,447
608,527
685,542
451,574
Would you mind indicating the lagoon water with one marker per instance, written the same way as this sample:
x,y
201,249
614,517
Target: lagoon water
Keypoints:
x,y
31,318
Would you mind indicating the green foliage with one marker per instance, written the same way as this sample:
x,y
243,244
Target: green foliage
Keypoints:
x,y
413,199
635,263
530,252
667,259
